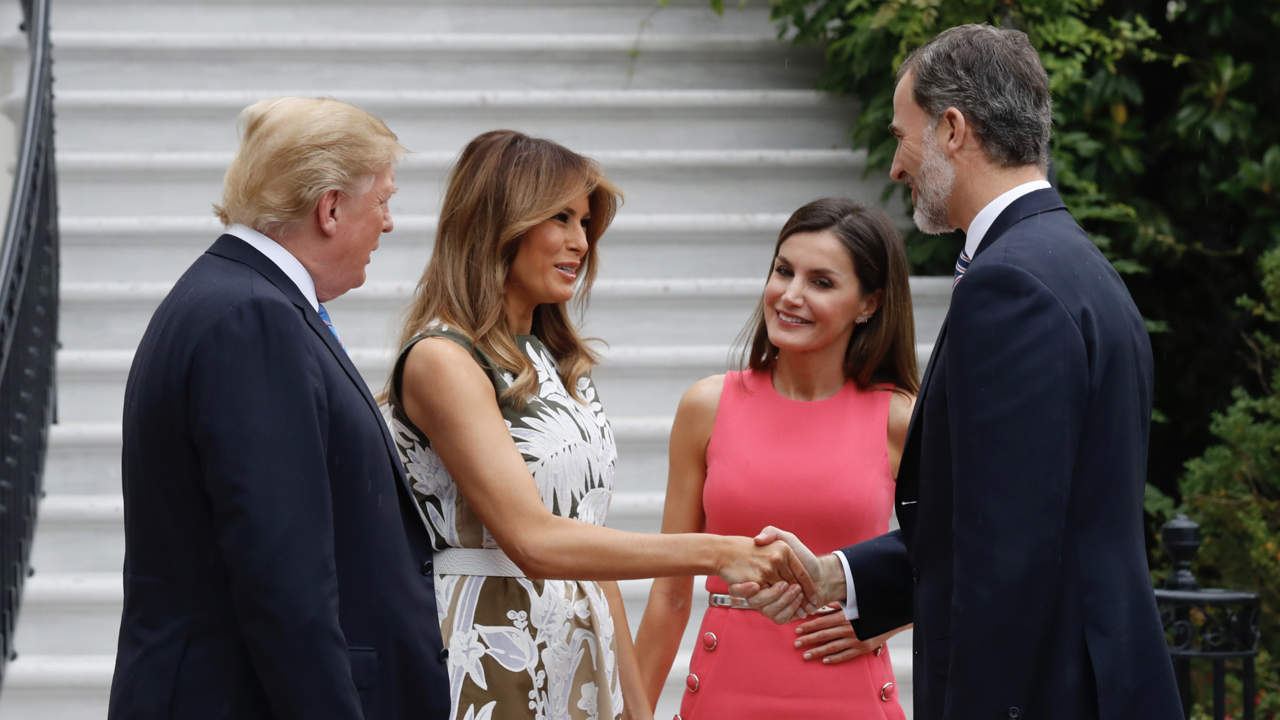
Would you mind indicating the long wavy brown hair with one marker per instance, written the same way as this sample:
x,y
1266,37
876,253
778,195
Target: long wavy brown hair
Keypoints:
x,y
883,349
503,184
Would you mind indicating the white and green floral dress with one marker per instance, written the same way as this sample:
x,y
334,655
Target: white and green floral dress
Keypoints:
x,y
522,648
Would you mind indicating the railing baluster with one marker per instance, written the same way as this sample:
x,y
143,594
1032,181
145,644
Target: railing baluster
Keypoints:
x,y
28,326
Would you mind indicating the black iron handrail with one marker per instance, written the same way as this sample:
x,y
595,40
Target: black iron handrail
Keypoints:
x,y
28,325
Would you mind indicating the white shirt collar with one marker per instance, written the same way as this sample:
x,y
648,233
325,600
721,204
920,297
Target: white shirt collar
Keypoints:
x,y
283,259
985,217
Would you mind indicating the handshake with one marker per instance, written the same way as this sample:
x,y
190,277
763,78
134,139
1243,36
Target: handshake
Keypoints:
x,y
781,578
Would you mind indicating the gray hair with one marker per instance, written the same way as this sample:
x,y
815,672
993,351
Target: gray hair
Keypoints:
x,y
994,78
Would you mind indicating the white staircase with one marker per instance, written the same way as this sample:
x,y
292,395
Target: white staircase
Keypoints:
x,y
708,125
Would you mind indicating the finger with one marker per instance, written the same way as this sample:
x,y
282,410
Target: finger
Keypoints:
x,y
788,612
822,622
831,648
767,535
820,637
788,597
745,589
767,595
802,577
843,656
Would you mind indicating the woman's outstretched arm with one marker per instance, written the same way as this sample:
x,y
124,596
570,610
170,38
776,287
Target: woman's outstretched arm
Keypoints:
x,y
450,399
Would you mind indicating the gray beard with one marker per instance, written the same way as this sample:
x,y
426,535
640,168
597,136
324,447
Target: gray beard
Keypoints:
x,y
933,191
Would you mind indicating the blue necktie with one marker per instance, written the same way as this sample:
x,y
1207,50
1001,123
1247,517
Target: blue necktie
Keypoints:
x,y
962,265
324,315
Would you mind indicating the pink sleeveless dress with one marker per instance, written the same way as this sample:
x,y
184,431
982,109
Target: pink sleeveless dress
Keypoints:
x,y
818,469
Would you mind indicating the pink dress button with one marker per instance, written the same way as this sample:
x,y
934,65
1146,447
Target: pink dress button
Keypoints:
x,y
888,692
709,641
691,682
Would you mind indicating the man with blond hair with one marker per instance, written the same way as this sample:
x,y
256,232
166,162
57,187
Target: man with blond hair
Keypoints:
x,y
276,564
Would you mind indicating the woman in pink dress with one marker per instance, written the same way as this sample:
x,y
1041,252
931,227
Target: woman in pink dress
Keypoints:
x,y
808,436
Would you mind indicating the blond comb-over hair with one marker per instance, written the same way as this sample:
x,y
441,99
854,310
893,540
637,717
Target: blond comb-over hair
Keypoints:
x,y
292,151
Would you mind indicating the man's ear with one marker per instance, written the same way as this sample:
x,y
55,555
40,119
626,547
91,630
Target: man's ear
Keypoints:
x,y
955,130
328,212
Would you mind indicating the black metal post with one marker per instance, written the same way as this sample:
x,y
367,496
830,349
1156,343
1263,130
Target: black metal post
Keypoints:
x,y
1206,623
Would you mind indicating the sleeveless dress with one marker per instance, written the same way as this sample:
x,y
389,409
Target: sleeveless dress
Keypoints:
x,y
821,470
521,648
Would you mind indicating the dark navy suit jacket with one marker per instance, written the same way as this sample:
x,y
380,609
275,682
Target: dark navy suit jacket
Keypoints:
x,y
276,565
1021,556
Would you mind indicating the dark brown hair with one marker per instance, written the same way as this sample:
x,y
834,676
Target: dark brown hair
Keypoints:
x,y
882,350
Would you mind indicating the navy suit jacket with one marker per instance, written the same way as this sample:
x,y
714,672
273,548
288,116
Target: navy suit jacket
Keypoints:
x,y
1021,556
275,565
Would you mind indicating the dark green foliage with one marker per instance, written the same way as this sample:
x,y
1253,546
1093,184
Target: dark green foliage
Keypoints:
x,y
1233,489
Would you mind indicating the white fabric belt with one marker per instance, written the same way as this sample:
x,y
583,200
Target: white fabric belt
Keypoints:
x,y
475,561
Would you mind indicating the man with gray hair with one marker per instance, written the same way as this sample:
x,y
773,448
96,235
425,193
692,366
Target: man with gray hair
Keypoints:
x,y
276,563
1020,558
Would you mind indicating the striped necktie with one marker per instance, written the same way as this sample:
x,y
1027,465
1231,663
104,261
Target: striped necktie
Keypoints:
x,y
324,315
962,265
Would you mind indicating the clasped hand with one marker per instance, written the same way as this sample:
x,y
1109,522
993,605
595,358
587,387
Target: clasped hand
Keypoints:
x,y
772,564
782,601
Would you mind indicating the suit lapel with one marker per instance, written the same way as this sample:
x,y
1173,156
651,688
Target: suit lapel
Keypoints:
x,y
907,493
908,487
233,248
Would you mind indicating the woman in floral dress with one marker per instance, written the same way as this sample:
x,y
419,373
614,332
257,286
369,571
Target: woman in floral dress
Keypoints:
x,y
507,445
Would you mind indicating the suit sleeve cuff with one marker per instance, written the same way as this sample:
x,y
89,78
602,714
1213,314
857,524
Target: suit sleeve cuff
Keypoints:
x,y
851,599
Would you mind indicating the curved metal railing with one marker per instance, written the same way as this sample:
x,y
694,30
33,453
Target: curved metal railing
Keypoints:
x,y
28,325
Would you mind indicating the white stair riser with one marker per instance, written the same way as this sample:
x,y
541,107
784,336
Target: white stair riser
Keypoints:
x,y
448,127
664,320
96,545
78,466
92,253
49,628
81,546
658,187
96,394
23,701
336,68
458,17
369,317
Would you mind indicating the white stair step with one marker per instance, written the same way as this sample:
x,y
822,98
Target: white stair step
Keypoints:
x,y
84,458
66,687
159,249
426,120
115,315
69,623
507,16
85,533
631,380
657,181
70,614
79,534
633,312
414,61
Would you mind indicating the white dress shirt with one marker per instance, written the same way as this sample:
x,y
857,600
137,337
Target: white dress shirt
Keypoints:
x,y
972,239
283,259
